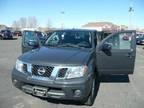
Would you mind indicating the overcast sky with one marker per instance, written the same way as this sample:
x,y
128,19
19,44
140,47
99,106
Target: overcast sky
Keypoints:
x,y
73,13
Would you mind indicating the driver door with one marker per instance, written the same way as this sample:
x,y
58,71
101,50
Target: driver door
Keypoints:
x,y
116,53
29,38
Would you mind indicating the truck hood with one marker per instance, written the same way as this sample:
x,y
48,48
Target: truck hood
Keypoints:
x,y
56,56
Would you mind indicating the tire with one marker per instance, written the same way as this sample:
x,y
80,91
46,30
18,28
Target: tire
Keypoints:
x,y
91,97
1,38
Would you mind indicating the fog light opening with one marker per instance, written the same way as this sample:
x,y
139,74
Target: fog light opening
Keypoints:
x,y
77,92
15,81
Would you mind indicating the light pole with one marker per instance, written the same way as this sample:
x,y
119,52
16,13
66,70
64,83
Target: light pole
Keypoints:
x,y
62,16
131,10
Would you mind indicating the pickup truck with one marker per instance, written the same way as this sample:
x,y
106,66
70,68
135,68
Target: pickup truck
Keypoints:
x,y
69,63
6,34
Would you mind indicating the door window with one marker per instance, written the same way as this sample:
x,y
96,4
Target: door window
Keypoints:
x,y
120,41
29,36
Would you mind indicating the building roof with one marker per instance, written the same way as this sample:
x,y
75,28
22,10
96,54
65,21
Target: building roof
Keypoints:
x,y
98,24
101,26
3,26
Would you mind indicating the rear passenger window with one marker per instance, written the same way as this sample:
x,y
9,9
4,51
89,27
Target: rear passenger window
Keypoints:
x,y
120,41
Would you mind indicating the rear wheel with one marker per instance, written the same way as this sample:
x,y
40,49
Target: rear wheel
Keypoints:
x,y
1,38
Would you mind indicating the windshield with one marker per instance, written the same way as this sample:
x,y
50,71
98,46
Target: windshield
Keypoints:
x,y
77,39
142,36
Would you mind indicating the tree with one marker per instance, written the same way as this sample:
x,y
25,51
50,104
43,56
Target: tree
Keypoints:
x,y
23,22
32,22
16,25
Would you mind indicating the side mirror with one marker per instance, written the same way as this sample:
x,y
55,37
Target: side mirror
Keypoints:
x,y
33,43
106,47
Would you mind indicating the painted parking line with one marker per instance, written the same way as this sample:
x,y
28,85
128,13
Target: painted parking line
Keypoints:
x,y
18,105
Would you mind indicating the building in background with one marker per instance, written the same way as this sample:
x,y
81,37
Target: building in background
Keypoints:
x,y
104,26
3,27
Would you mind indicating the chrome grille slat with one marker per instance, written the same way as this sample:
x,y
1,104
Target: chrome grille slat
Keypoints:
x,y
48,70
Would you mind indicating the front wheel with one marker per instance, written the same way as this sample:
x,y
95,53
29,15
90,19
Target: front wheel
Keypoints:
x,y
91,97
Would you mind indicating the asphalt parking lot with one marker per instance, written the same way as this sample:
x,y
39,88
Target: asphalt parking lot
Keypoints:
x,y
112,92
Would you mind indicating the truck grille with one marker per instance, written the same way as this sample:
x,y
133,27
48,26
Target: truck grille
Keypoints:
x,y
44,71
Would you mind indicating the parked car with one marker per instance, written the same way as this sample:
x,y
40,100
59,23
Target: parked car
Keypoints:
x,y
0,35
140,40
126,37
68,64
17,33
6,34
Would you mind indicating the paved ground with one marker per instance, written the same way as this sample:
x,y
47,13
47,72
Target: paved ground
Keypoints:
x,y
112,91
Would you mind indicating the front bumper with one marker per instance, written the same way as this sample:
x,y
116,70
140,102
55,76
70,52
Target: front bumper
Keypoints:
x,y
72,89
7,37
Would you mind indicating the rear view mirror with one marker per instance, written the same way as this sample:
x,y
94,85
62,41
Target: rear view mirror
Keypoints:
x,y
106,47
33,43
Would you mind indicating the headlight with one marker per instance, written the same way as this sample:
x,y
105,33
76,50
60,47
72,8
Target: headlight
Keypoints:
x,y
75,72
19,65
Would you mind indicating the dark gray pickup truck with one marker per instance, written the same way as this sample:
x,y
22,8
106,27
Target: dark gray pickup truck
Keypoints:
x,y
68,64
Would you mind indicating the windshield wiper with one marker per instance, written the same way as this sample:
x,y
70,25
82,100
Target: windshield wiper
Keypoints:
x,y
50,45
69,45
84,44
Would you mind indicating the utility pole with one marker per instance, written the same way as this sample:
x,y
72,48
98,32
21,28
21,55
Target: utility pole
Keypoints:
x,y
131,11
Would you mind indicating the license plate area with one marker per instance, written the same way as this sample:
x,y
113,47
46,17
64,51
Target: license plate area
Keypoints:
x,y
40,91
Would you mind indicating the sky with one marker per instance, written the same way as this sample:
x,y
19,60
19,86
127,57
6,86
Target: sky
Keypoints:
x,y
72,13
